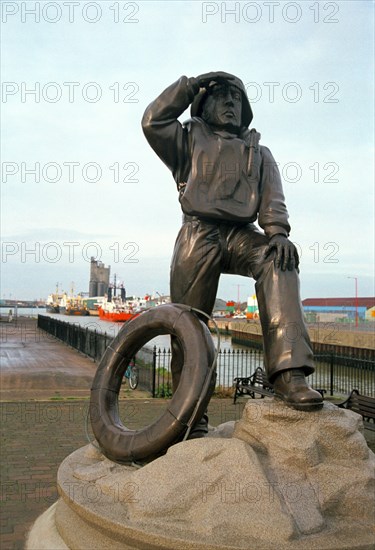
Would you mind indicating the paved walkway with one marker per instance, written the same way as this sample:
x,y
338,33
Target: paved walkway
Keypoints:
x,y
44,390
34,365
44,393
38,435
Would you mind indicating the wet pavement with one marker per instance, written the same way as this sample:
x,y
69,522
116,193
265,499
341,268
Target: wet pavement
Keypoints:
x,y
44,392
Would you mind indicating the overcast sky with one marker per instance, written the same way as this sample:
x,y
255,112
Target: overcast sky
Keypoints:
x,y
80,180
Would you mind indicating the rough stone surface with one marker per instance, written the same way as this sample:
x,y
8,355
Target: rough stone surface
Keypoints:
x,y
286,479
223,430
319,461
44,533
209,492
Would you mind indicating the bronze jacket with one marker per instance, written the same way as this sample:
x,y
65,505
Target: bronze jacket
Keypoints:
x,y
211,168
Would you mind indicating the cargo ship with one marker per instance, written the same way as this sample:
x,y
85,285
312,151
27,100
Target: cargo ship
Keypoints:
x,y
53,301
116,311
73,306
93,303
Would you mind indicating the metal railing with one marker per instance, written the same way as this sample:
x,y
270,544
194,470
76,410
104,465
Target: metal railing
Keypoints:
x,y
334,373
339,374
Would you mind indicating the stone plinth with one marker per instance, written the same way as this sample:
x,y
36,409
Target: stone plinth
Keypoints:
x,y
286,479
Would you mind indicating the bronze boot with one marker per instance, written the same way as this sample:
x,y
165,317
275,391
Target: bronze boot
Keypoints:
x,y
291,386
200,428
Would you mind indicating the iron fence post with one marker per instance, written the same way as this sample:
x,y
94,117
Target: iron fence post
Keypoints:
x,y
331,374
154,371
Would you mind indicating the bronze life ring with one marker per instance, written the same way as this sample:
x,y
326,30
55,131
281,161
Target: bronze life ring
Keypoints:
x,y
116,441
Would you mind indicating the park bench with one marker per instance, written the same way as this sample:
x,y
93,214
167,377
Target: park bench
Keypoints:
x,y
257,383
363,405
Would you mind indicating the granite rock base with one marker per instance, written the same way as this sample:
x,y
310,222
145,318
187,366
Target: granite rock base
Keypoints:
x,y
286,479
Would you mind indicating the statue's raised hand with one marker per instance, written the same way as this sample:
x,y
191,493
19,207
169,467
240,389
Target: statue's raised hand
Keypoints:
x,y
204,80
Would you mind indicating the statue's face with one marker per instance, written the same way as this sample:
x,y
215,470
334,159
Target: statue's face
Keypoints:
x,y
223,107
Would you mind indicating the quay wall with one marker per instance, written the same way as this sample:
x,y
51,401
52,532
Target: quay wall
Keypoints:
x,y
325,337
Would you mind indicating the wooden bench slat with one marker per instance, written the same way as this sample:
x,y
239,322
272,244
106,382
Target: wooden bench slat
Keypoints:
x,y
365,400
257,383
363,405
368,411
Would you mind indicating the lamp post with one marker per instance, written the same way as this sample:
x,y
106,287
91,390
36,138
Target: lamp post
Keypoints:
x,y
238,297
356,299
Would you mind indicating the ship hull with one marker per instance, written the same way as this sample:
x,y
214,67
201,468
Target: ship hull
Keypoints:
x,y
115,316
52,309
74,311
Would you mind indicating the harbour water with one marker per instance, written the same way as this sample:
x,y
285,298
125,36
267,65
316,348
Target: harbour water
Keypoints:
x,y
94,323
22,311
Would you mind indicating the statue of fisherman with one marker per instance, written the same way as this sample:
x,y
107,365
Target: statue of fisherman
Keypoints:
x,y
226,181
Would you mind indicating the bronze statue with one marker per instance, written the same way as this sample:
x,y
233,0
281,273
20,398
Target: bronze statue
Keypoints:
x,y
226,181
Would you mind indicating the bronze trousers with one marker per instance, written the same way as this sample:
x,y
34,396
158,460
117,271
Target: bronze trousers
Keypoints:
x,y
205,249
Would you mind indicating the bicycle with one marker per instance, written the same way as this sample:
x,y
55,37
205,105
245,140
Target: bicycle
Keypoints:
x,y
131,374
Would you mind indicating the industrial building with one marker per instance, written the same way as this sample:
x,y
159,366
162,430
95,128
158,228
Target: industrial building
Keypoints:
x,y
343,310
99,278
